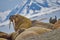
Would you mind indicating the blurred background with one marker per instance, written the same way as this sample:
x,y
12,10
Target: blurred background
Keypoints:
x,y
32,9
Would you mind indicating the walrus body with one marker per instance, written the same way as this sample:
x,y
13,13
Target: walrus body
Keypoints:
x,y
3,39
32,31
57,25
20,22
4,35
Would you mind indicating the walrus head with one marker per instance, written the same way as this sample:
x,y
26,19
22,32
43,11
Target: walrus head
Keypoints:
x,y
14,19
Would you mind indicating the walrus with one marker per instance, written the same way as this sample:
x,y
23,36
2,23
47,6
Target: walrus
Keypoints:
x,y
32,31
41,24
3,39
57,25
20,22
4,35
15,34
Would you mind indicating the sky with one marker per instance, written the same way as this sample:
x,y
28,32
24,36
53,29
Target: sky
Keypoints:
x,y
8,4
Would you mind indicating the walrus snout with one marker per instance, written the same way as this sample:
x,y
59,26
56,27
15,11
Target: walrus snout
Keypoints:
x,y
11,18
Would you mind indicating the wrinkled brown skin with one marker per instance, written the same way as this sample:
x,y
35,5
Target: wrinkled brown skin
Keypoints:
x,y
4,35
32,31
57,25
41,24
15,34
20,22
3,39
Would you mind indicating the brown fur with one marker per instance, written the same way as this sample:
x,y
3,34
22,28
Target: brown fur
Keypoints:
x,y
41,24
20,22
13,35
38,30
33,31
3,39
4,35
57,25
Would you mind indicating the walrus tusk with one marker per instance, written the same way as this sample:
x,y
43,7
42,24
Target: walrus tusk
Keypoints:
x,y
9,24
14,23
